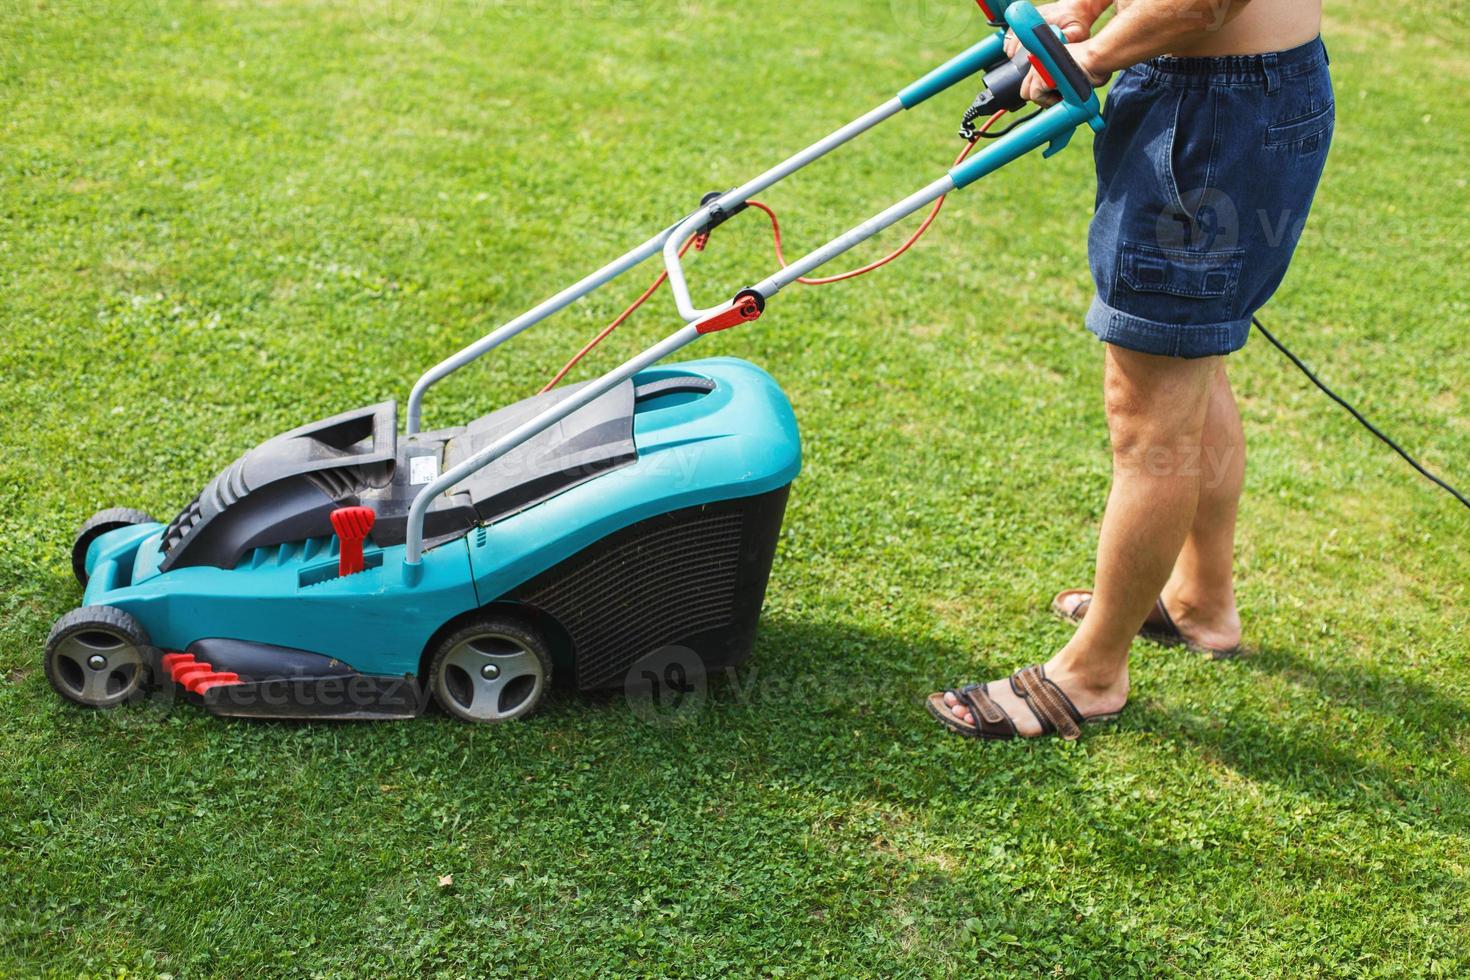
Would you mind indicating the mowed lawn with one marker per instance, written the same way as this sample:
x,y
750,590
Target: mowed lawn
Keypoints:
x,y
220,219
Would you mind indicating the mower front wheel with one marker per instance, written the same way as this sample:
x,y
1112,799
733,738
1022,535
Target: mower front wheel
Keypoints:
x,y
97,525
495,668
98,656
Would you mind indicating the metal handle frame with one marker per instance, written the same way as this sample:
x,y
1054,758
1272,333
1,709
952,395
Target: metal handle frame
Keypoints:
x,y
1054,125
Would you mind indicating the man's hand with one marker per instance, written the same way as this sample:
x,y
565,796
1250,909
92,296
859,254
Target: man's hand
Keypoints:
x,y
1075,19
1033,89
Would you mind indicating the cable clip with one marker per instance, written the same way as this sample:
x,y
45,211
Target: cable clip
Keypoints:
x,y
717,216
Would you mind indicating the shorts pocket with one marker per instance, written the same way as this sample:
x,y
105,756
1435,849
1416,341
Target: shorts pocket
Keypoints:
x,y
1303,128
1176,272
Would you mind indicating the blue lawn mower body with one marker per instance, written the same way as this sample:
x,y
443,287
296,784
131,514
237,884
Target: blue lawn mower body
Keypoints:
x,y
645,520
347,569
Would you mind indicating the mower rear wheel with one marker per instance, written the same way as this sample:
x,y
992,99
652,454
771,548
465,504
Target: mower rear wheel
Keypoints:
x,y
97,525
493,669
98,656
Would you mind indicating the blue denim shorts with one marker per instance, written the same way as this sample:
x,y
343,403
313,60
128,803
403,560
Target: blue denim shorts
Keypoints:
x,y
1205,173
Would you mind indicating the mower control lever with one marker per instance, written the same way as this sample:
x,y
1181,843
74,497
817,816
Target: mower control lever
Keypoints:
x,y
1050,59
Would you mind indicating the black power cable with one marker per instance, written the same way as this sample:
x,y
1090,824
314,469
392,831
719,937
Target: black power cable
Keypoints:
x,y
998,133
1358,415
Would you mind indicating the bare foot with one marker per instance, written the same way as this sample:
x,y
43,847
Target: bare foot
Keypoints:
x,y
1204,629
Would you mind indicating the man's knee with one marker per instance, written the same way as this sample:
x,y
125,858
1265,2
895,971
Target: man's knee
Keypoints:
x,y
1156,409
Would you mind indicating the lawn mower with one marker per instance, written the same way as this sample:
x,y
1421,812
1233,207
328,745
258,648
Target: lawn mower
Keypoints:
x,y
344,569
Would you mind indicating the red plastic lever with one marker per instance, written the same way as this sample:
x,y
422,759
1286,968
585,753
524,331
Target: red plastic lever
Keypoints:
x,y
745,309
1051,83
352,525
199,683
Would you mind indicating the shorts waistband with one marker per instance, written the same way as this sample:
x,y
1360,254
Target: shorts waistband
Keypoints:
x,y
1237,69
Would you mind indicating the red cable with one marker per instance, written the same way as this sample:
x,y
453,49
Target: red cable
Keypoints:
x,y
699,242
918,232
618,322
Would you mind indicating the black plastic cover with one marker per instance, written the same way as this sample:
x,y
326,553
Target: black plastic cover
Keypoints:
x,y
691,580
285,488
282,682
264,661
1072,72
1003,84
592,440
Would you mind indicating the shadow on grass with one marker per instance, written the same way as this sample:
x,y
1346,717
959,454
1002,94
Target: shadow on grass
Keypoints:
x,y
828,696
838,709
1352,735
1372,688
818,760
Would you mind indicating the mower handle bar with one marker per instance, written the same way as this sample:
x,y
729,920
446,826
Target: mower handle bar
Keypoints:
x,y
1047,49
1053,125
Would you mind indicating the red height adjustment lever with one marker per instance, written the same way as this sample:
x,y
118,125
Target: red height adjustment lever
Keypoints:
x,y
352,525
748,305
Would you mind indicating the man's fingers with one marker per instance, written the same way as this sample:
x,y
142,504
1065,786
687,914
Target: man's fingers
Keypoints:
x,y
1076,31
1033,89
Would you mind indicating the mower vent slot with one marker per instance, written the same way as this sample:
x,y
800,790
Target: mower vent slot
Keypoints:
x,y
339,483
647,592
180,526
229,485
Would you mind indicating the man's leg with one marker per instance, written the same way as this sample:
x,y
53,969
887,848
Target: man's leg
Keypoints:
x,y
1156,409
1200,596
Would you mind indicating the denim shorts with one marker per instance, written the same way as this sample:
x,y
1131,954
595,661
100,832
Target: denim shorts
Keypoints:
x,y
1205,173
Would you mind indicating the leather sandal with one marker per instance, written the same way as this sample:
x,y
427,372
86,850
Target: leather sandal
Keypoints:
x,y
1158,627
1053,709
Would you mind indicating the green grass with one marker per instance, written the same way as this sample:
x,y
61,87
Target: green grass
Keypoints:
x,y
219,219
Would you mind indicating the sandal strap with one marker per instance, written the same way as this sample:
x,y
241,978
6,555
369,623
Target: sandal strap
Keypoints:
x,y
1168,621
1051,706
990,719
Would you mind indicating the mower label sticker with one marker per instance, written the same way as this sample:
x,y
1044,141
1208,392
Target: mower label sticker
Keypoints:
x,y
423,469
